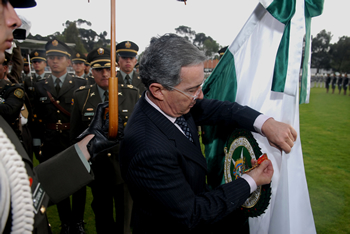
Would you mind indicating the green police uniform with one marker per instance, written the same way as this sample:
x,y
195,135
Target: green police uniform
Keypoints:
x,y
108,185
129,49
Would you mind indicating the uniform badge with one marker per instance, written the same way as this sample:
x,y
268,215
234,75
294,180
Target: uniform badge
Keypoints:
x,y
77,55
38,197
36,54
120,93
54,42
72,103
127,44
130,86
100,51
239,150
92,94
90,109
19,93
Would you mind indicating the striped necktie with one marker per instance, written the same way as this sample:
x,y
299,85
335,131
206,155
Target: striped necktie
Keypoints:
x,y
184,126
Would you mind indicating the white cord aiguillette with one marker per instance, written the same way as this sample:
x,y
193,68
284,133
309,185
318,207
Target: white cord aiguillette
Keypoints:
x,y
14,189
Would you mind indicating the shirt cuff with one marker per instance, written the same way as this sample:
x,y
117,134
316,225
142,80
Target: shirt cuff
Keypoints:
x,y
259,122
82,157
250,181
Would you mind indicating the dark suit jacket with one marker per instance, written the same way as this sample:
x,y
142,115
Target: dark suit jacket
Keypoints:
x,y
59,177
166,173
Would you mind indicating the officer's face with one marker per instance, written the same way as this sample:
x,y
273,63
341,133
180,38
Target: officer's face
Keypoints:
x,y
58,64
78,67
26,68
39,66
8,22
127,64
101,76
175,102
87,69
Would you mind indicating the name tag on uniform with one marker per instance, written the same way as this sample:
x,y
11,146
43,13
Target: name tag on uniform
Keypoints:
x,y
31,88
89,114
38,197
43,98
124,111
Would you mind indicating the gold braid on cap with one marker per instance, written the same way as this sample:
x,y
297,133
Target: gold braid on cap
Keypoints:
x,y
60,51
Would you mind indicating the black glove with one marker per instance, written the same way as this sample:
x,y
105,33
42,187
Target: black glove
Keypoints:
x,y
99,127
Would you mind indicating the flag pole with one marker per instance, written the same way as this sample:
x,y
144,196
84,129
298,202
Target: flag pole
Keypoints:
x,y
113,81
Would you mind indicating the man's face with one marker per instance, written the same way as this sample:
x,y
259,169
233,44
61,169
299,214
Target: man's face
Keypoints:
x,y
87,69
8,22
127,64
39,66
177,103
58,64
101,76
78,67
26,69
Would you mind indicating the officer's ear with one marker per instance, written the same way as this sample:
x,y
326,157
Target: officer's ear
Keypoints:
x,y
157,91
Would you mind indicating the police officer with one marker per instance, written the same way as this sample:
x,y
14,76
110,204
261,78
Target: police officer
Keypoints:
x,y
127,52
108,184
38,59
79,61
26,70
52,101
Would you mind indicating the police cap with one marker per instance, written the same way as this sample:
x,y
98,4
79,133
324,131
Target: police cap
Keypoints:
x,y
25,61
99,58
222,51
56,47
78,58
37,56
22,3
127,49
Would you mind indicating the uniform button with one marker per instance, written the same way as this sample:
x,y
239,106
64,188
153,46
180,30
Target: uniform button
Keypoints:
x,y
126,117
58,111
43,209
109,154
89,118
58,101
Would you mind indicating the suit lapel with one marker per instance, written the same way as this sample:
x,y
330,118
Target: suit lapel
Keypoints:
x,y
94,97
67,85
185,146
50,86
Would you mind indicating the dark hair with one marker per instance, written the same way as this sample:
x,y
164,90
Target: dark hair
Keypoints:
x,y
164,57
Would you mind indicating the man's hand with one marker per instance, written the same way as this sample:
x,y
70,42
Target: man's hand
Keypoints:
x,y
279,135
263,173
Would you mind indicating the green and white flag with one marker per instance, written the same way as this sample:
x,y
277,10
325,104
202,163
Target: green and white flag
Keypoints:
x,y
261,69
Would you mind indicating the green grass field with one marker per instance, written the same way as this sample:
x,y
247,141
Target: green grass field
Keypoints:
x,y
325,136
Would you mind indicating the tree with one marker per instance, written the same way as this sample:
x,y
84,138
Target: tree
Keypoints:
x,y
71,34
210,47
320,47
340,55
186,31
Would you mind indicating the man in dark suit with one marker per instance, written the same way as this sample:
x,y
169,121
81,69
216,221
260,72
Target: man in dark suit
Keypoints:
x,y
52,106
108,186
127,52
161,159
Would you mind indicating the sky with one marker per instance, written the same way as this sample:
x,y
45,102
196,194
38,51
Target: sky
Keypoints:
x,y
140,20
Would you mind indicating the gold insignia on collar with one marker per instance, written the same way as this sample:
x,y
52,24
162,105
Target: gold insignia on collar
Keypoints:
x,y
120,93
81,87
70,81
77,55
92,94
36,54
127,44
130,86
54,42
19,93
100,51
